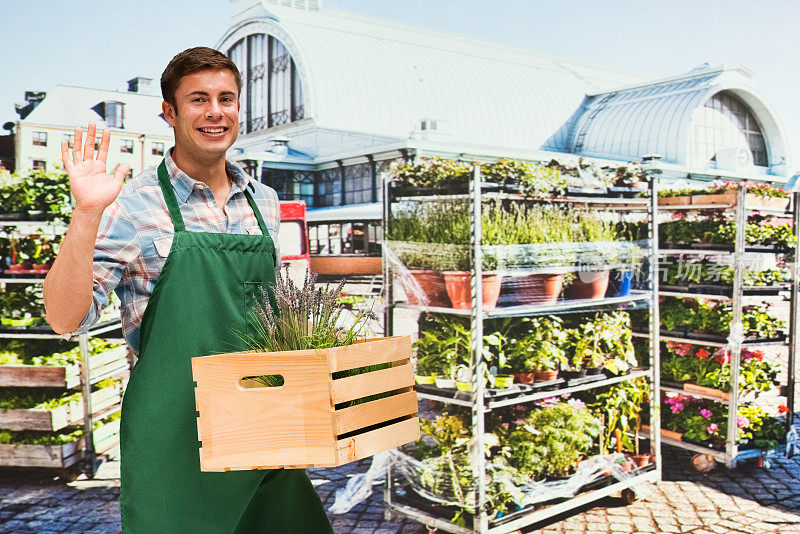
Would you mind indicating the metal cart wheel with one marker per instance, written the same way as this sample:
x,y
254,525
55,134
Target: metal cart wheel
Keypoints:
x,y
703,463
630,495
68,474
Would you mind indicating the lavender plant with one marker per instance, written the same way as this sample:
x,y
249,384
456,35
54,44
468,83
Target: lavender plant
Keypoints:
x,y
304,318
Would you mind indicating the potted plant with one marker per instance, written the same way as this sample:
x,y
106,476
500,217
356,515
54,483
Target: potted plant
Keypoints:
x,y
441,347
534,246
564,432
600,250
606,342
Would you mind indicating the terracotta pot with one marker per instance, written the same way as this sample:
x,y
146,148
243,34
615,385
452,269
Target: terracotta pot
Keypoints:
x,y
544,376
626,466
641,460
588,285
432,284
458,289
41,268
16,267
525,378
541,288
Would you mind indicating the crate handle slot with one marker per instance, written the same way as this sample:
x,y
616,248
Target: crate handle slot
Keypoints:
x,y
261,381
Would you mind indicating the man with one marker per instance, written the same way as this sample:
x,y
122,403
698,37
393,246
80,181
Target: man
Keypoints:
x,y
180,244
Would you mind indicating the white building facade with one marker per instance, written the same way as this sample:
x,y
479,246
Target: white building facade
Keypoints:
x,y
331,98
139,134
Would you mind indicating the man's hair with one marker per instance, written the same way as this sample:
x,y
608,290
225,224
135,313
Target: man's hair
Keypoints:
x,y
194,60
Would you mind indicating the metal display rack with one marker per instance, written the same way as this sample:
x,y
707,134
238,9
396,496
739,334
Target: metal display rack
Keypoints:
x,y
735,340
481,401
93,369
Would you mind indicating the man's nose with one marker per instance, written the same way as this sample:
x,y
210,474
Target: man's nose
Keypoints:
x,y
213,111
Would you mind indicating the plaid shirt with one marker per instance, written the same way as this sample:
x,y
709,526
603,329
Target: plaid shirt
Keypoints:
x,y
136,232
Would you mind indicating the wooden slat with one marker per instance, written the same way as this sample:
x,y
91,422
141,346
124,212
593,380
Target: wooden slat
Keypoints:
x,y
370,352
69,414
33,455
374,412
374,382
36,376
375,441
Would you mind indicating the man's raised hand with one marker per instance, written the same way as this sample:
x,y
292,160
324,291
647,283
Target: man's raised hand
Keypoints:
x,y
91,187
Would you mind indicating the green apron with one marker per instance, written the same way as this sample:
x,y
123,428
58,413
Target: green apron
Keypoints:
x,y
199,307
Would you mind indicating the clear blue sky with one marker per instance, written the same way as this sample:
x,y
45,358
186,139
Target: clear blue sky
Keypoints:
x,y
104,43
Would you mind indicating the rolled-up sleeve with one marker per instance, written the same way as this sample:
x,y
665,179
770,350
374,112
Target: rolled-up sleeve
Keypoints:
x,y
116,246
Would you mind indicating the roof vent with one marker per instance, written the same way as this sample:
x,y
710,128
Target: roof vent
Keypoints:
x,y
140,85
432,129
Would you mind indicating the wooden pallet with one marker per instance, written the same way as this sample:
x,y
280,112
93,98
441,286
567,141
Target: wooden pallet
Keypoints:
x,y
38,376
298,424
61,417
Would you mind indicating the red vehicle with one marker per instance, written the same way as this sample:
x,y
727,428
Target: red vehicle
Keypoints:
x,y
293,239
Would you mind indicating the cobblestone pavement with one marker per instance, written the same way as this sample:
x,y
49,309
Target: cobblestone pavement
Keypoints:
x,y
746,500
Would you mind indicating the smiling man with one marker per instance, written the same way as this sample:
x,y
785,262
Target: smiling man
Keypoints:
x,y
179,244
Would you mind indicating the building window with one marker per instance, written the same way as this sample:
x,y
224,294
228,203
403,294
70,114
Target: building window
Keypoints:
x,y
70,139
726,122
358,183
126,146
271,89
329,189
115,114
97,141
129,175
39,138
280,180
39,165
158,149
304,187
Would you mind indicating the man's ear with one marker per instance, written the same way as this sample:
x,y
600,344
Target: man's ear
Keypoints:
x,y
169,113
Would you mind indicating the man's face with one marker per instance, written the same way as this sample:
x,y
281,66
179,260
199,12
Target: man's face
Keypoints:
x,y
206,117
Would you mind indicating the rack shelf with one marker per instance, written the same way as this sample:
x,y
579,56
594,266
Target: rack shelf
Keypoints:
x,y
526,311
481,401
736,292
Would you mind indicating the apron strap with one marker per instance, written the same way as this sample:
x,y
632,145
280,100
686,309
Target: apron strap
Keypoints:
x,y
174,210
169,197
257,212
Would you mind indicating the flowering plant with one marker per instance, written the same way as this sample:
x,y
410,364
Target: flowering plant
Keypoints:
x,y
684,362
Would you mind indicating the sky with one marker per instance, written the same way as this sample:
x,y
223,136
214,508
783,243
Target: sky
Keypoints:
x,y
102,44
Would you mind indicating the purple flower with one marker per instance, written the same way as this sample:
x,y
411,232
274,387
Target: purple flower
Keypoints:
x,y
577,403
505,425
677,408
706,413
742,421
712,428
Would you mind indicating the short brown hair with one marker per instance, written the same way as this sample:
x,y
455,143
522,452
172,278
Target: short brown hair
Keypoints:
x,y
194,60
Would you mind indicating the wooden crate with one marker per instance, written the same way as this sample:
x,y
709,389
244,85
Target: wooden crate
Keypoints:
x,y
39,376
58,456
751,200
298,424
63,416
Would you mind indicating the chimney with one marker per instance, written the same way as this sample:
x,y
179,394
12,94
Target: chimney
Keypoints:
x,y
141,85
